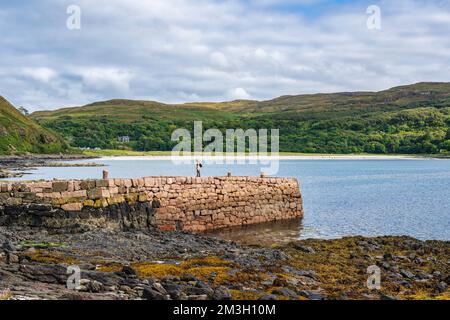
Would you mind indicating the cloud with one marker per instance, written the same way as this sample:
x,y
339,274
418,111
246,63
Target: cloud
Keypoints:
x,y
212,50
238,94
219,59
105,79
41,74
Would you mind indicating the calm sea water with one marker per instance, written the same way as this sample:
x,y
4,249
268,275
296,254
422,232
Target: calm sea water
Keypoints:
x,y
341,197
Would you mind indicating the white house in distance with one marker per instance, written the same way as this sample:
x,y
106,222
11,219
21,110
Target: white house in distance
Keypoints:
x,y
123,139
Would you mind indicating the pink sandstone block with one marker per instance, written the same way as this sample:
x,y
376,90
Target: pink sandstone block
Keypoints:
x,y
181,180
149,182
113,190
76,185
127,183
70,186
72,207
53,195
45,185
98,193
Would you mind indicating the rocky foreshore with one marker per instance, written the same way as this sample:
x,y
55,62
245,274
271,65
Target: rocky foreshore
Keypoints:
x,y
18,166
158,265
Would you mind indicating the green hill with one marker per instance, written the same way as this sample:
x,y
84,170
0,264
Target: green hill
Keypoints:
x,y
20,134
409,119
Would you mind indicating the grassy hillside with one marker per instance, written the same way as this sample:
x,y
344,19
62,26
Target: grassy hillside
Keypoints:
x,y
19,134
410,119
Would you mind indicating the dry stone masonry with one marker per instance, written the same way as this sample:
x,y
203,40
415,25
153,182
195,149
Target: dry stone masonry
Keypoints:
x,y
168,203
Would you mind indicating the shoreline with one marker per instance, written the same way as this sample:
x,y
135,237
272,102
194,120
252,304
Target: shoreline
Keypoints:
x,y
163,155
271,158
181,266
14,166
282,155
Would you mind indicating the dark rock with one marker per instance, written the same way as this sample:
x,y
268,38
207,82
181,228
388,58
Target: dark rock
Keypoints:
x,y
150,294
94,286
405,284
221,293
278,255
285,292
387,297
129,282
201,284
188,277
198,297
268,282
229,256
40,207
107,279
159,288
75,296
362,243
437,274
388,256
9,246
129,271
125,289
174,290
12,258
312,295
423,276
46,274
190,290
171,279
236,286
268,297
441,287
343,296
300,273
412,245
407,274
280,282
302,248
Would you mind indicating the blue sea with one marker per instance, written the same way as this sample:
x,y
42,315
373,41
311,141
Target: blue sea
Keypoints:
x,y
341,197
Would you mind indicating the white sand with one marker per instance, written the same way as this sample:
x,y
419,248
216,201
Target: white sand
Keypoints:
x,y
271,158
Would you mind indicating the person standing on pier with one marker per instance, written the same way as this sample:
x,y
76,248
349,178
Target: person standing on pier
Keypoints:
x,y
198,167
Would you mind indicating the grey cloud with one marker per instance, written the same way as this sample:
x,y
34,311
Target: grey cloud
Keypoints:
x,y
190,50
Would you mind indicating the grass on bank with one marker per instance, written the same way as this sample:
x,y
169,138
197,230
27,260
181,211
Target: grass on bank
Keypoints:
x,y
21,134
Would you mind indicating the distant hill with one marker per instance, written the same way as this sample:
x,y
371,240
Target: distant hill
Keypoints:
x,y
408,119
20,134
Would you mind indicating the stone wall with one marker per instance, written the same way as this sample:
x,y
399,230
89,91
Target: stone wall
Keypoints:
x,y
168,203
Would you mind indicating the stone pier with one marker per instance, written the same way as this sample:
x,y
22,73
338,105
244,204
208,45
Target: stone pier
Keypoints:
x,y
168,203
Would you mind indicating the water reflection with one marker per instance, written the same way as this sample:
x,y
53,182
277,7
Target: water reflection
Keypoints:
x,y
268,233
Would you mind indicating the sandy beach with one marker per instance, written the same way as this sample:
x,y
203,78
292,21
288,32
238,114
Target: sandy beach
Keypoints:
x,y
271,158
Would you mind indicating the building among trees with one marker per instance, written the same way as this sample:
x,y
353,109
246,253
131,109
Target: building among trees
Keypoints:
x,y
123,139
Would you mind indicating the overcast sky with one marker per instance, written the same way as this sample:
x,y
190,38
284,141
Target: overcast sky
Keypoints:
x,y
198,50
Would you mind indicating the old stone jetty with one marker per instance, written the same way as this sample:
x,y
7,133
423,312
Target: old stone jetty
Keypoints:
x,y
167,203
